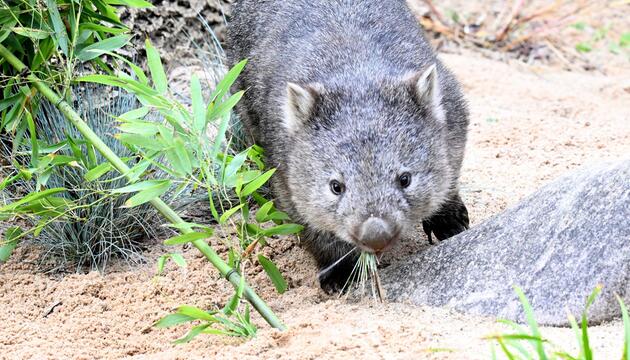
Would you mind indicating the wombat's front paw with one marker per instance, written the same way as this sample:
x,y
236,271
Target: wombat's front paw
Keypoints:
x,y
449,221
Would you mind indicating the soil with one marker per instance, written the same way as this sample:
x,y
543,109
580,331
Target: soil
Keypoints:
x,y
529,124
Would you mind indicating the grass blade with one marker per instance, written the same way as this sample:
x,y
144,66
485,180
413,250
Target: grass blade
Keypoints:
x,y
588,352
531,321
626,329
192,334
172,320
196,313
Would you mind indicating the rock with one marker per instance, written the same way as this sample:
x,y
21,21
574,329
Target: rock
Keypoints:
x,y
557,245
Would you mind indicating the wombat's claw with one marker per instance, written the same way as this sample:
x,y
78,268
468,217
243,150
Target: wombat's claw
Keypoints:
x,y
426,226
449,221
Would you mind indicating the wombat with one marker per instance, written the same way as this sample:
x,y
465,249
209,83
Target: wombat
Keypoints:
x,y
365,126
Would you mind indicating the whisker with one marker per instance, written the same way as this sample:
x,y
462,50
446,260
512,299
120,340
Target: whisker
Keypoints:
x,y
326,270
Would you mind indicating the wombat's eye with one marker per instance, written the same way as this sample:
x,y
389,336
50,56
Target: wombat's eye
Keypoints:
x,y
404,180
336,187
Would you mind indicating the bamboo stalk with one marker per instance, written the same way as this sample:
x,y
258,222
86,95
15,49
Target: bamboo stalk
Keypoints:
x,y
160,206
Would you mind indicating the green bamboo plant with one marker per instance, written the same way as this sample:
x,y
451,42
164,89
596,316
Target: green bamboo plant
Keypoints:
x,y
42,48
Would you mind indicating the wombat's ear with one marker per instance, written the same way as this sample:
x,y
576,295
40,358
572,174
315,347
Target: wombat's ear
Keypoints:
x,y
299,105
426,87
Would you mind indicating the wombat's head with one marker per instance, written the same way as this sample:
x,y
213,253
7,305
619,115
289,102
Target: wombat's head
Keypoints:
x,y
368,161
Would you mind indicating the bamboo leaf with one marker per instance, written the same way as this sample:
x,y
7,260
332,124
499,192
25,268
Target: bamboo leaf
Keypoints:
x,y
196,313
223,87
98,171
177,259
626,329
284,229
157,70
139,186
225,107
261,214
10,101
148,194
229,175
10,242
273,273
231,306
135,114
99,48
199,111
187,225
180,158
257,183
32,197
226,215
531,321
60,29
586,346
144,128
142,142
172,320
131,3
33,136
186,238
34,34
100,28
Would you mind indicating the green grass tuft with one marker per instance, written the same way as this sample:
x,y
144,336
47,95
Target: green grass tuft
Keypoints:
x,y
528,343
364,275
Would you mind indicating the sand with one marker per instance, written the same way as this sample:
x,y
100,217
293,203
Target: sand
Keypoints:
x,y
529,125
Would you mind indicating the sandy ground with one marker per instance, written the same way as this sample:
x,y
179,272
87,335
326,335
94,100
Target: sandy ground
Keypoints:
x,y
529,125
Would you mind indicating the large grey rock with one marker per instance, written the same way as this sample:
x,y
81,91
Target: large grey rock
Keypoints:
x,y
557,245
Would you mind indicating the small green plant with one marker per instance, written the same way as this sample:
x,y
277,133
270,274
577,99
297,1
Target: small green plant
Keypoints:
x,y
96,227
599,35
178,145
53,39
227,321
529,343
162,136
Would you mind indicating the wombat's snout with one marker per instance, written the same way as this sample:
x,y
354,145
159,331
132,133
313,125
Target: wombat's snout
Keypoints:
x,y
376,234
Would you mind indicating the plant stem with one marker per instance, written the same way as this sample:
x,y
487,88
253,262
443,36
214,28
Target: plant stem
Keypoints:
x,y
159,205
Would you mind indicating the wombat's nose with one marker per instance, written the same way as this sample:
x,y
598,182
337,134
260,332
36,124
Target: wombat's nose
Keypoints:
x,y
377,234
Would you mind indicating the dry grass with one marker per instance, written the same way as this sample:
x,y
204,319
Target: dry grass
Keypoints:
x,y
518,27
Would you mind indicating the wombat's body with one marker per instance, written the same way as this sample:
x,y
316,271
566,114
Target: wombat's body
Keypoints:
x,y
366,127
